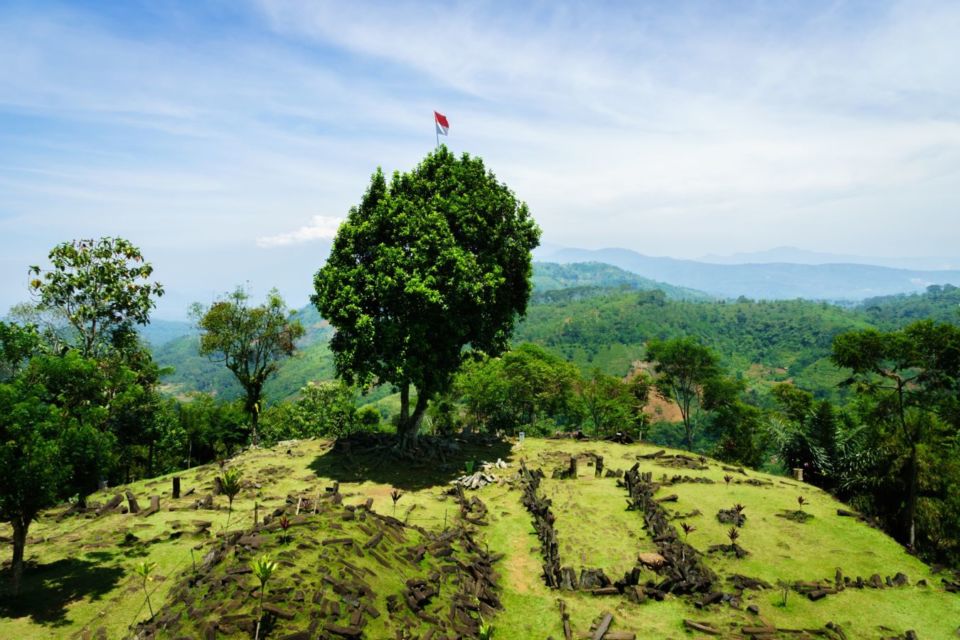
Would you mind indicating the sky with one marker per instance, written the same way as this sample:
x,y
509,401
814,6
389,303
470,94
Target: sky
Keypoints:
x,y
227,138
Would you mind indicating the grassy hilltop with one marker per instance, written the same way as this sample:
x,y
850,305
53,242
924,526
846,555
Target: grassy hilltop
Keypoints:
x,y
81,579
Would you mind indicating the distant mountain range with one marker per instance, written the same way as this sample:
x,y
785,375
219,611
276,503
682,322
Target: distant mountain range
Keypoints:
x,y
849,282
802,256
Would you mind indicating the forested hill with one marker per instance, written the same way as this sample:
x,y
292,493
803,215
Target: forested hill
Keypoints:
x,y
552,281
606,327
940,303
768,341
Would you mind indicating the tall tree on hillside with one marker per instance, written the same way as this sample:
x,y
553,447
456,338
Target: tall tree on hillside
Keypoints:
x,y
32,471
913,378
100,287
684,367
251,341
433,262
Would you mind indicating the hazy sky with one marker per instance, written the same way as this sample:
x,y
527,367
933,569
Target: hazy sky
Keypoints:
x,y
226,138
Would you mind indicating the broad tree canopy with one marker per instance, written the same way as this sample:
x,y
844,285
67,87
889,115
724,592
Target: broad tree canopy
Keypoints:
x,y
101,287
250,341
684,368
427,266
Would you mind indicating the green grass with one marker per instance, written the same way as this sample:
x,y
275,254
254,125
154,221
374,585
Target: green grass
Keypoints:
x,y
81,576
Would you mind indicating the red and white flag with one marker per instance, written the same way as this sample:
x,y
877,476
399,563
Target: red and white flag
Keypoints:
x,y
443,127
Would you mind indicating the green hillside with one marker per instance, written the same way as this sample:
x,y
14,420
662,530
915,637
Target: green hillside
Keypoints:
x,y
550,277
189,371
596,319
81,580
766,341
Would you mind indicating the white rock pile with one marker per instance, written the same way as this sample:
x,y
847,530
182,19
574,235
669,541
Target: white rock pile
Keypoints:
x,y
481,478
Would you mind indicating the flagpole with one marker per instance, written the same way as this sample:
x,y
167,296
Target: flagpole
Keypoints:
x,y
436,130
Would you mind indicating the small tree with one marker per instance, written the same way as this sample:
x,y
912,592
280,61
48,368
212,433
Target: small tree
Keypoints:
x,y
784,588
230,485
610,402
395,495
144,569
284,523
684,367
734,534
251,341
101,287
263,568
426,268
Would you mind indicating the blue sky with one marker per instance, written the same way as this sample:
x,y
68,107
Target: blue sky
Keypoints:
x,y
226,138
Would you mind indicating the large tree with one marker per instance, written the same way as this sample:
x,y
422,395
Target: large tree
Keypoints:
x,y
251,341
684,368
32,472
100,287
912,376
424,269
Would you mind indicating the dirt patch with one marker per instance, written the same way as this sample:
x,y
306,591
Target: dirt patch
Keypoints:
x,y
662,410
522,564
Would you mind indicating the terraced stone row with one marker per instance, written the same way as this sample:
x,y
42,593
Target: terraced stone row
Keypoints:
x,y
556,576
682,571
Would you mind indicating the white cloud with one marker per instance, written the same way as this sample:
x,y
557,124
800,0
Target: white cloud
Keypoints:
x,y
321,228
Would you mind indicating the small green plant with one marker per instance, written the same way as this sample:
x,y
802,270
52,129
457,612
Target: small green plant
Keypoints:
x,y
784,588
486,630
728,479
284,523
801,501
230,484
738,508
395,495
733,534
687,529
144,569
469,465
263,568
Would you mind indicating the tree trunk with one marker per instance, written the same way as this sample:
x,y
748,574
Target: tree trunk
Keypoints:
x,y
254,420
912,499
409,427
251,405
404,403
19,544
688,432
